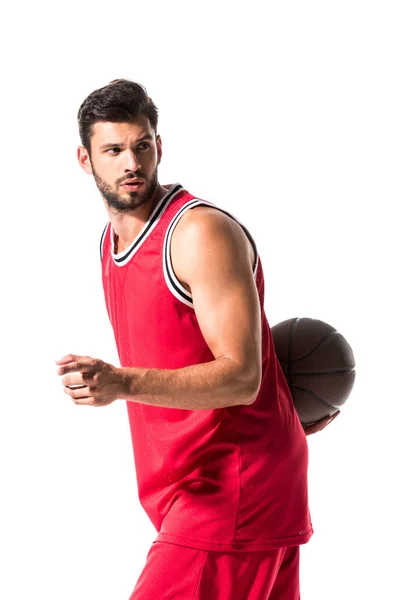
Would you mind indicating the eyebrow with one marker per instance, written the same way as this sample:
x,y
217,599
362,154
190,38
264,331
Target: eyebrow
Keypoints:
x,y
146,136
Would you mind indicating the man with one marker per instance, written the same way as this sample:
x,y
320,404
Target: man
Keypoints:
x,y
220,454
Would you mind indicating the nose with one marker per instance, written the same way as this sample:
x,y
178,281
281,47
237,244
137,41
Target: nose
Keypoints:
x,y
132,162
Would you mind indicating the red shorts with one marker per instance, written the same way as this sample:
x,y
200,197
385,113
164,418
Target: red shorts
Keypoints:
x,y
175,572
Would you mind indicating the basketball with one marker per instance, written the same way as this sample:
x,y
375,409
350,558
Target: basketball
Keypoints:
x,y
318,364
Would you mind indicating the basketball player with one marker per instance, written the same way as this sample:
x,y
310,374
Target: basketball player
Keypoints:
x,y
220,454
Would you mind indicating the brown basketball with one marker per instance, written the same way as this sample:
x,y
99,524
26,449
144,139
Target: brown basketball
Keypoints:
x,y
318,364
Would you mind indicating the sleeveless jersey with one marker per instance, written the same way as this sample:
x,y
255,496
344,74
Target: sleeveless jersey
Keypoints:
x,y
223,479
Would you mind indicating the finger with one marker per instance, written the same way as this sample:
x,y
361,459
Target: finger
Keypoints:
x,y
68,358
79,379
328,420
86,401
324,422
79,393
83,365
310,429
336,414
73,379
317,426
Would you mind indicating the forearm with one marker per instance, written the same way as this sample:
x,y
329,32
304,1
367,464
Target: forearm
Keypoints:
x,y
215,384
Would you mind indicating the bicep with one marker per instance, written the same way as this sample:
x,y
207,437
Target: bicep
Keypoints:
x,y
216,265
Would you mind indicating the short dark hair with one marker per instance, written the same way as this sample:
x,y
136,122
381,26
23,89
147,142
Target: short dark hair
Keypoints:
x,y
121,101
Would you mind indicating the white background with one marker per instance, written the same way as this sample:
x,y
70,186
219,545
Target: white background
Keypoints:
x,y
287,115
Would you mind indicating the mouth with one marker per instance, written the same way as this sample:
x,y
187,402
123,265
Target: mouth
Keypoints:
x,y
132,184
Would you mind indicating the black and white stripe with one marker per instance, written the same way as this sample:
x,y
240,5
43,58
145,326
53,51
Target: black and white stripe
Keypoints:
x,y
170,278
103,236
123,257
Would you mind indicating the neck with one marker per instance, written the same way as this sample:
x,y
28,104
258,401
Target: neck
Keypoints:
x,y
128,225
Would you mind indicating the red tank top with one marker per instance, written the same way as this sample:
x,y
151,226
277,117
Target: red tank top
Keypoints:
x,y
223,479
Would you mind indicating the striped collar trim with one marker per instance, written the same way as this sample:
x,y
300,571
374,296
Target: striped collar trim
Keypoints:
x,y
123,257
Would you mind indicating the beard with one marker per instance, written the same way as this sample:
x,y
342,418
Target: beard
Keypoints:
x,y
130,200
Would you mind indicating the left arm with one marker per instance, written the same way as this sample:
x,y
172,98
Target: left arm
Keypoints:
x,y
210,256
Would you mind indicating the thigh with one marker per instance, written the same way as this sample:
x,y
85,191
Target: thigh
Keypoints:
x,y
171,572
240,575
287,582
176,572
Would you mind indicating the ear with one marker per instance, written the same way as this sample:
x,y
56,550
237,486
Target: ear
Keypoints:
x,y
159,149
84,160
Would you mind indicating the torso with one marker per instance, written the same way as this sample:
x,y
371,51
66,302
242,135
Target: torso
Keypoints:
x,y
190,463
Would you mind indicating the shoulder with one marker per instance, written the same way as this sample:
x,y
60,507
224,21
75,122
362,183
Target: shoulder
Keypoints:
x,y
207,238
203,224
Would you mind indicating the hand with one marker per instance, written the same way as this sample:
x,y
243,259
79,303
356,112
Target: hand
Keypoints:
x,y
319,425
99,382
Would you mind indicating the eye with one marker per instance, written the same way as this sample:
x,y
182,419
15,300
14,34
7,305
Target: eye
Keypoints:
x,y
143,146
114,151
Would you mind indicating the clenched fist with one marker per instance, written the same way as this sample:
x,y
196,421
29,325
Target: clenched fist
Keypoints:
x,y
90,381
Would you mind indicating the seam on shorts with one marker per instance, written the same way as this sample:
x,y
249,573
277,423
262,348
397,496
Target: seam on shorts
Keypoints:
x,y
201,572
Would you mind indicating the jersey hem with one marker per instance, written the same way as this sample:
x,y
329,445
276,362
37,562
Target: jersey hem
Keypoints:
x,y
287,542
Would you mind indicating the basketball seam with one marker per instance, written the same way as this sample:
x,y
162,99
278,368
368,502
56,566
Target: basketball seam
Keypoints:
x,y
289,375
315,347
300,389
332,372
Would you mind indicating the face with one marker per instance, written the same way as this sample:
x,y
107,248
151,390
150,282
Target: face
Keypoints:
x,y
124,160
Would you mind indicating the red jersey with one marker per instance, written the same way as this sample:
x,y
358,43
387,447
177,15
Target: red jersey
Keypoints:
x,y
224,479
